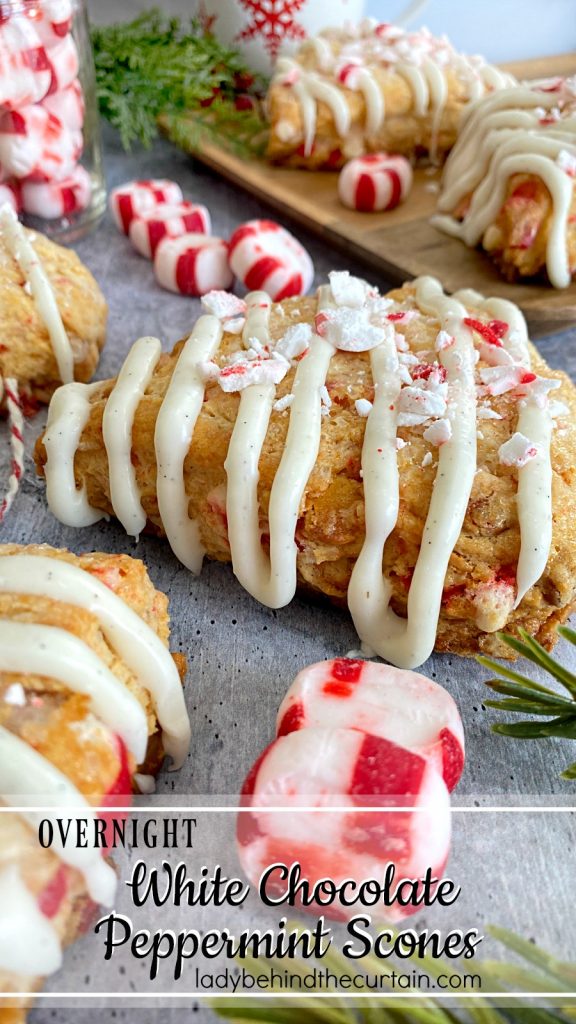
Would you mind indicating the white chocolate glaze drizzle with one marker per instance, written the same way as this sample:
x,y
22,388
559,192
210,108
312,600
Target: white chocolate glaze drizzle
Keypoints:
x,y
27,938
18,244
133,640
67,416
506,134
29,780
355,320
117,424
173,436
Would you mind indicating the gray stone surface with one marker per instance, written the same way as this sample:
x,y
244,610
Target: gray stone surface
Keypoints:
x,y
242,657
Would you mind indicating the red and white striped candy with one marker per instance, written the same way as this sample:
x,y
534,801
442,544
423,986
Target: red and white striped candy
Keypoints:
x,y
52,20
25,73
328,768
54,199
264,256
374,183
67,105
135,198
35,145
404,707
167,221
10,193
64,64
192,264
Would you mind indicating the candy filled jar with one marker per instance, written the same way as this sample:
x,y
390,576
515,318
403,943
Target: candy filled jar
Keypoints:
x,y
50,148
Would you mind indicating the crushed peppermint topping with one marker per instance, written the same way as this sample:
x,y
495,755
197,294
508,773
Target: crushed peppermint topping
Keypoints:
x,y
240,374
567,162
484,412
295,342
348,290
403,316
557,409
439,432
349,329
363,406
236,325
325,397
427,460
400,444
517,451
223,304
443,341
15,695
283,403
500,379
492,332
416,405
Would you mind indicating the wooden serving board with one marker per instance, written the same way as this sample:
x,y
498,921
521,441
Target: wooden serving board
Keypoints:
x,y
401,243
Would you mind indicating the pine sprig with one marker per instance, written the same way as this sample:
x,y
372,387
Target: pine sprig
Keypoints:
x,y
156,65
523,695
534,971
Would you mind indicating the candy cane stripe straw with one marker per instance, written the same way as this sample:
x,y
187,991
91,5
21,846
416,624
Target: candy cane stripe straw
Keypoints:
x,y
16,426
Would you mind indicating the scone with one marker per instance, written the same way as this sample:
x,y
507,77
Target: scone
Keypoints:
x,y
52,313
396,453
372,87
509,183
90,697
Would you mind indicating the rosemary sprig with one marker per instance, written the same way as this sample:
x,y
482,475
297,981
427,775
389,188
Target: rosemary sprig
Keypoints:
x,y
525,696
156,65
536,971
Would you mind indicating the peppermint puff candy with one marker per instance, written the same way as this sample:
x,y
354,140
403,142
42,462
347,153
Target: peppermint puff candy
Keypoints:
x,y
67,105
25,73
135,198
34,144
64,64
264,256
192,264
404,707
374,183
54,199
344,769
167,221
53,20
11,193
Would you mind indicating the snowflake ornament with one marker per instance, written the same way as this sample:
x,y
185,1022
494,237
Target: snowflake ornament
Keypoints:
x,y
272,20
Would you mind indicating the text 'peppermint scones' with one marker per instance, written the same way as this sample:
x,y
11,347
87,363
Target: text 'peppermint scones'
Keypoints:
x,y
509,184
52,313
411,455
372,87
90,697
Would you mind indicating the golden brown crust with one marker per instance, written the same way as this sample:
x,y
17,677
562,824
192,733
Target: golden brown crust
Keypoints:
x,y
26,352
330,528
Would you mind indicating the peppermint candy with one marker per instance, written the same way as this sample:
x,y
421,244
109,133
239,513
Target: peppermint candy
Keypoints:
x,y
345,769
375,182
10,193
64,64
263,255
55,199
53,20
192,264
135,198
67,105
34,144
404,707
25,72
167,220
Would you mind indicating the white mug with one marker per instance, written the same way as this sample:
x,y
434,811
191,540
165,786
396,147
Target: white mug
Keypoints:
x,y
261,28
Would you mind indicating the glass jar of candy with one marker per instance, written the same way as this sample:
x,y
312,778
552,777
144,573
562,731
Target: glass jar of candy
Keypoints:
x,y
50,147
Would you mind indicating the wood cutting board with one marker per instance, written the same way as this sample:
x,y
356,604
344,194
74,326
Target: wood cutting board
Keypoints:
x,y
401,243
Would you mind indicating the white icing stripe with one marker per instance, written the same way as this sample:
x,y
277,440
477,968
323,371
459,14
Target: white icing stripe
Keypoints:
x,y
48,651
134,641
21,249
67,416
173,436
29,943
28,779
117,424
534,499
503,135
408,642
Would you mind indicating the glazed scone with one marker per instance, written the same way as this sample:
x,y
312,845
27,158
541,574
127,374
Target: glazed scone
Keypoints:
x,y
372,88
245,451
87,739
509,184
31,337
